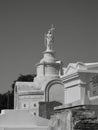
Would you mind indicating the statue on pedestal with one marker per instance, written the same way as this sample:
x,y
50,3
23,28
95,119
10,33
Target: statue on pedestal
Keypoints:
x,y
49,39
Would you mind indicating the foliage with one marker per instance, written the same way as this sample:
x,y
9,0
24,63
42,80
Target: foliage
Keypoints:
x,y
94,79
26,78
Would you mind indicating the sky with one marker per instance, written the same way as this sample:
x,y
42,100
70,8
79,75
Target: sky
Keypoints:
x,y
23,24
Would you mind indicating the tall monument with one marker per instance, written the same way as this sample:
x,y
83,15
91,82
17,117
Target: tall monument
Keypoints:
x,y
47,85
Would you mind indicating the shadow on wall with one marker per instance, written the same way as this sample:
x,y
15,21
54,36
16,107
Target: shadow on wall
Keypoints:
x,y
46,109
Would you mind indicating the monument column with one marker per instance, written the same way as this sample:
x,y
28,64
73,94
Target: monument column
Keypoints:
x,y
48,66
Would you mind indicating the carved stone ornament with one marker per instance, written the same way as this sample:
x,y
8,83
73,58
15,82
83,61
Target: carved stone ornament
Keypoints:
x,y
49,39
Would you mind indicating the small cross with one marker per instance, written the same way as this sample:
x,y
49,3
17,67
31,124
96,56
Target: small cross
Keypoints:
x,y
52,28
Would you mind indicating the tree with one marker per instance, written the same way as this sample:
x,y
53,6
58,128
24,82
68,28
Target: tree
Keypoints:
x,y
26,78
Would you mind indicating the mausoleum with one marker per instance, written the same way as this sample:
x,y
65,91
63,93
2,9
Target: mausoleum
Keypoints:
x,y
61,94
80,110
81,83
47,86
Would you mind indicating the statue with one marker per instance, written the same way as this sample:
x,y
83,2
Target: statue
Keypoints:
x,y
49,39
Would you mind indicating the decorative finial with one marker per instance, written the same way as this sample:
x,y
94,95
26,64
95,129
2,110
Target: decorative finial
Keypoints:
x,y
49,39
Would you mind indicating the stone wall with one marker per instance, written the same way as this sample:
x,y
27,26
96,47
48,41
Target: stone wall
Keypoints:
x,y
76,118
84,119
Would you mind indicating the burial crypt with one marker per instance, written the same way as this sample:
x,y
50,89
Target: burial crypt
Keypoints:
x,y
47,86
59,94
71,88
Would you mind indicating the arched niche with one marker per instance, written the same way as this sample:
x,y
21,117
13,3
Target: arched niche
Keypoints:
x,y
54,92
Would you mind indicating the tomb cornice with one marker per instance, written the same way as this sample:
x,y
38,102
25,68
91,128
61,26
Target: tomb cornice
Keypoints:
x,y
70,77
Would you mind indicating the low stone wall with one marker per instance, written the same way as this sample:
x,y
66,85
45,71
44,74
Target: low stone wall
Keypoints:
x,y
84,119
76,118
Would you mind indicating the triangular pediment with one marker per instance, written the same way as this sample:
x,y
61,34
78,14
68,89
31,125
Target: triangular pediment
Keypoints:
x,y
74,67
70,69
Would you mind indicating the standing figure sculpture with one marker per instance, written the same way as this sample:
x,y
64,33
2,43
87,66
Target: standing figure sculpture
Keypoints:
x,y
49,39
